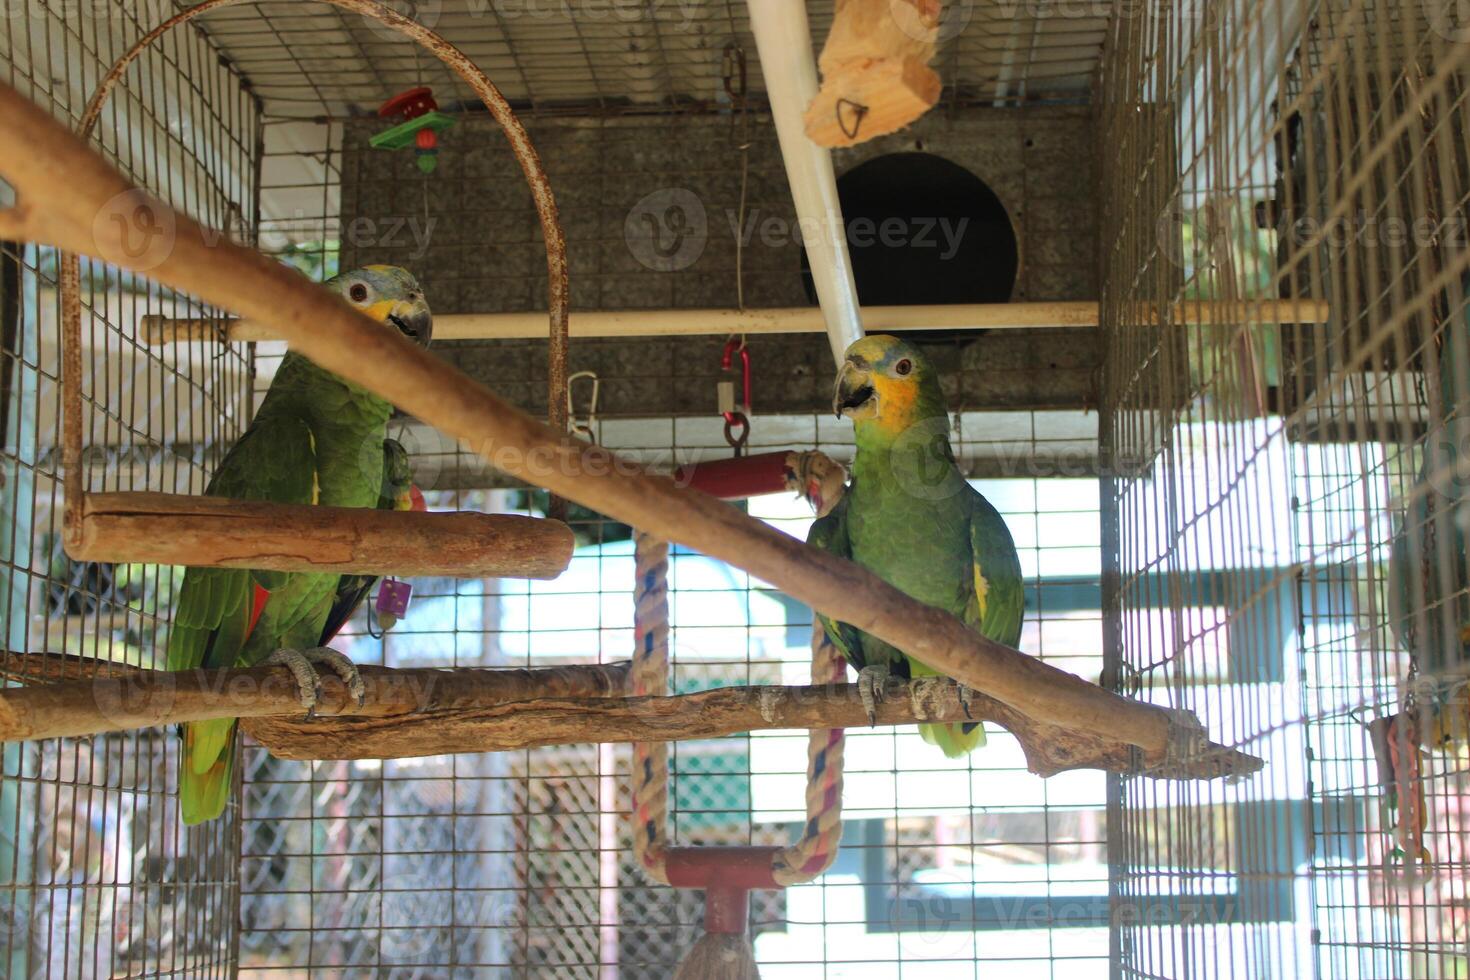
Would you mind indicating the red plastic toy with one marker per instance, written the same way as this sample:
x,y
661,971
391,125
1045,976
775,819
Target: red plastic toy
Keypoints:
x,y
422,122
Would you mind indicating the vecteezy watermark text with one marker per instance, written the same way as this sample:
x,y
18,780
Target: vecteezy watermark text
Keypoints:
x,y
669,229
1391,231
776,231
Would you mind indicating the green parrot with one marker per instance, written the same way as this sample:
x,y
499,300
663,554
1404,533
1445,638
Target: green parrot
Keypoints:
x,y
316,439
910,517
1428,579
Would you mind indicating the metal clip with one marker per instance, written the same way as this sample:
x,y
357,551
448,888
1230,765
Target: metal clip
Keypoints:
x,y
584,427
733,346
733,71
737,415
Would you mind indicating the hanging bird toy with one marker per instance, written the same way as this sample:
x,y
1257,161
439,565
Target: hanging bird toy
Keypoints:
x,y
421,125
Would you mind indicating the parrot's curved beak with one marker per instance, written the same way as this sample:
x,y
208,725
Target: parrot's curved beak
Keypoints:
x,y
413,319
854,395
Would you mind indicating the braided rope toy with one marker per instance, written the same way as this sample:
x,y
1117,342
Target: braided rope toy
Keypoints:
x,y
729,873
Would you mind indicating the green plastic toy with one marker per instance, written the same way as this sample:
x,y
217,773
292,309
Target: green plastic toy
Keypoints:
x,y
422,122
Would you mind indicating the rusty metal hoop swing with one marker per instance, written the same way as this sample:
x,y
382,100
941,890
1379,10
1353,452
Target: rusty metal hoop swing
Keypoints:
x,y
556,261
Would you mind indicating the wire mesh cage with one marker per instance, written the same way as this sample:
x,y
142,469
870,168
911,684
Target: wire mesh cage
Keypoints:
x,y
100,879
1276,567
1250,511
523,862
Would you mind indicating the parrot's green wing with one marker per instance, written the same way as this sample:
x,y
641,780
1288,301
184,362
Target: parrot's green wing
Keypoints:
x,y
999,604
829,533
996,608
353,589
274,461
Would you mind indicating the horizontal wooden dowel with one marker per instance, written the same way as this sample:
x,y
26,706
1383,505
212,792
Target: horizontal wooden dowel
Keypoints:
x,y
723,322
172,529
672,323
1227,312
118,698
62,185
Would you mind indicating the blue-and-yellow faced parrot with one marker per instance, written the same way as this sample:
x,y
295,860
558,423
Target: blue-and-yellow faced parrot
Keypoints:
x,y
910,517
1428,590
1428,571
316,439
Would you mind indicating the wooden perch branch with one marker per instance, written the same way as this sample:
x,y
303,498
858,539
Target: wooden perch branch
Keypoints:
x,y
170,529
51,668
63,188
713,714
420,712
118,697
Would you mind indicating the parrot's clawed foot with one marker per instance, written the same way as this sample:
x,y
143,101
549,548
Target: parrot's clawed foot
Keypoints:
x,y
307,685
818,478
870,683
343,667
967,699
300,663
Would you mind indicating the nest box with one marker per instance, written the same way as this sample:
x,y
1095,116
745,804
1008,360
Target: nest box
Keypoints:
x,y
420,127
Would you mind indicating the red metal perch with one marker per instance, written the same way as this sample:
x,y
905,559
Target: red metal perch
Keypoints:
x,y
728,875
740,477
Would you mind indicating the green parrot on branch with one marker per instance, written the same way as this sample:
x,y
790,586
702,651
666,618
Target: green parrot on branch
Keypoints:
x,y
910,517
1428,570
316,439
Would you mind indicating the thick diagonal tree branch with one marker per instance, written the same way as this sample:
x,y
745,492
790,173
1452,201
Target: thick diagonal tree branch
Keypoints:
x,y
63,186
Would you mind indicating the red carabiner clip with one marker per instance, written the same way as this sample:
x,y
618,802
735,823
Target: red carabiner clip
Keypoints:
x,y
733,346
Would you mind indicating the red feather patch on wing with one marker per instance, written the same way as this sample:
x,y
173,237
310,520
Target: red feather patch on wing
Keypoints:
x,y
417,497
261,597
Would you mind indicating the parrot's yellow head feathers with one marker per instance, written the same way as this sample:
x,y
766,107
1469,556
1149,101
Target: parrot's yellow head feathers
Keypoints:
x,y
390,295
886,382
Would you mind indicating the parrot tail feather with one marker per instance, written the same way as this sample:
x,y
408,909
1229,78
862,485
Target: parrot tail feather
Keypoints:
x,y
956,741
204,786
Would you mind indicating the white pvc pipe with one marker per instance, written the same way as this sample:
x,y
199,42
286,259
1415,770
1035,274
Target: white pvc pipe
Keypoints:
x,y
784,42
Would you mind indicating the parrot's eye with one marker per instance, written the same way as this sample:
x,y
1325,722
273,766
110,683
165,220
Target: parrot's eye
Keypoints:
x,y
358,292
903,367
